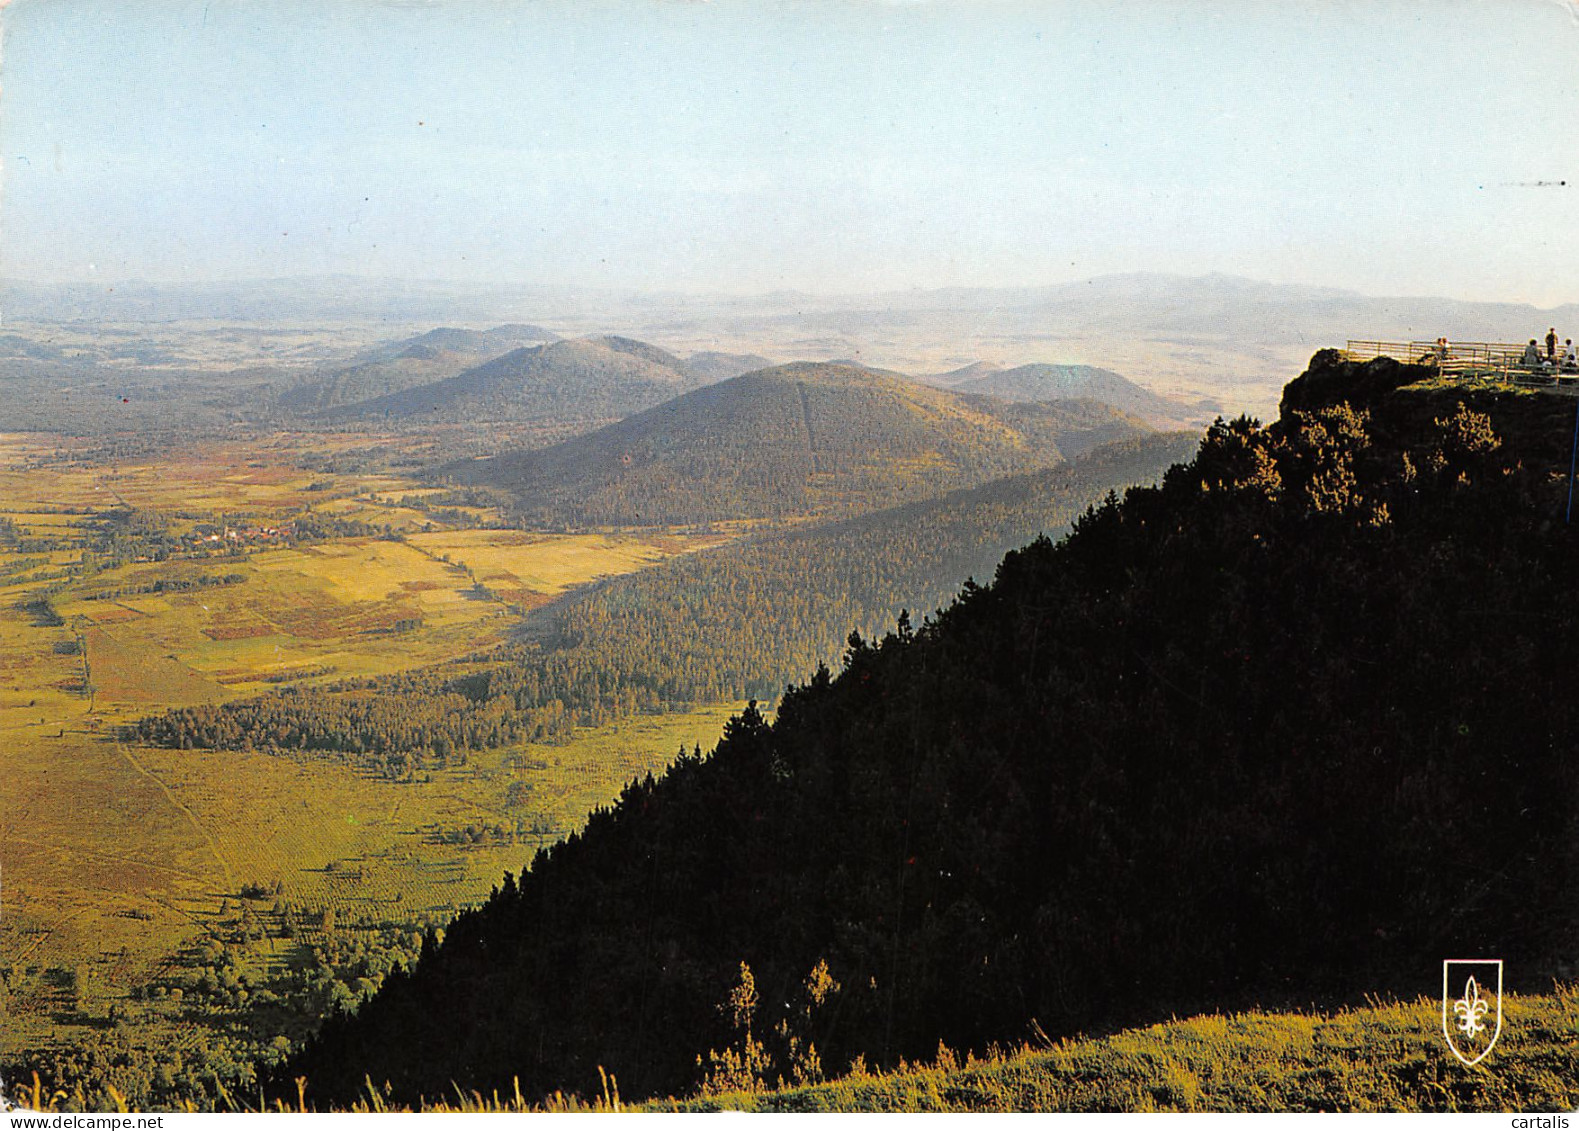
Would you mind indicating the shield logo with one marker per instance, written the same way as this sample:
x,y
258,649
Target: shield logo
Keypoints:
x,y
1471,1006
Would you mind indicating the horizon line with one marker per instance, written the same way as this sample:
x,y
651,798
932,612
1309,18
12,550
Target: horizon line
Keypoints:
x,y
478,285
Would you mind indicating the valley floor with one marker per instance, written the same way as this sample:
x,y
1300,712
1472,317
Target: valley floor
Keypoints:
x,y
133,870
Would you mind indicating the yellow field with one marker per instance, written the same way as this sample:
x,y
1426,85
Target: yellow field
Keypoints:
x,y
258,476
115,856
518,562
350,607
187,483
353,607
380,511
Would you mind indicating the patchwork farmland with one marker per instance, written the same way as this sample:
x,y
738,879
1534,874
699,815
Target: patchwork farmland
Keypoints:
x,y
130,588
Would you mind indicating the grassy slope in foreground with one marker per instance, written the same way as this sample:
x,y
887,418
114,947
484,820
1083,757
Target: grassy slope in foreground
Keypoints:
x,y
1381,1058
1384,1058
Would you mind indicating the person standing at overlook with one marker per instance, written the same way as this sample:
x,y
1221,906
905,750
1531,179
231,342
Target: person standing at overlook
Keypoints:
x,y
1551,344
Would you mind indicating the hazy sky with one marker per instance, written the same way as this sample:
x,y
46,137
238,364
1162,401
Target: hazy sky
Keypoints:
x,y
826,145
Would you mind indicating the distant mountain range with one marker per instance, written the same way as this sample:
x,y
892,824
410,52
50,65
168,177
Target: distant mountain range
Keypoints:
x,y
1220,342
313,298
453,374
1142,304
793,439
590,378
409,363
452,339
516,372
1032,383
607,376
1149,304
709,366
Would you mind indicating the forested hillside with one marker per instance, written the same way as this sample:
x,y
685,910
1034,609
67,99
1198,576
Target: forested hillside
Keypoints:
x,y
726,625
1296,722
591,379
708,366
370,379
796,439
420,360
1075,382
479,343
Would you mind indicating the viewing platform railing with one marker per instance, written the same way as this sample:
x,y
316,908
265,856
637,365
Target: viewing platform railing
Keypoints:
x,y
1471,361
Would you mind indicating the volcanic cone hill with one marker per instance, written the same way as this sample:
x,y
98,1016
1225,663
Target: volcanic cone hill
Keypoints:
x,y
794,439
371,379
1075,382
421,360
581,379
708,366
480,343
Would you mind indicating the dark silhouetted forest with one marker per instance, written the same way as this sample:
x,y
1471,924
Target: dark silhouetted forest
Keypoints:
x,y
1298,721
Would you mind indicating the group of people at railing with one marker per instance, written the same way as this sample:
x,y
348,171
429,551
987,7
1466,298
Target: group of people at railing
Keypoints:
x,y
1481,359
1551,362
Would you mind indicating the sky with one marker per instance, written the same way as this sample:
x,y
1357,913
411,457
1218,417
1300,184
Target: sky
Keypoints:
x,y
832,146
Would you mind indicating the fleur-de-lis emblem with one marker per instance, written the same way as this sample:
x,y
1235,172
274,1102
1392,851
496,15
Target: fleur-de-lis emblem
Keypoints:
x,y
1470,1009
1473,1023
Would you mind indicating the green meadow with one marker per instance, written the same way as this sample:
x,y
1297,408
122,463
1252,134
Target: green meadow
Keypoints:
x,y
123,863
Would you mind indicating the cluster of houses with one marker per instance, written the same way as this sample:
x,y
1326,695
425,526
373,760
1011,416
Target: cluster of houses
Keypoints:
x,y
243,535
